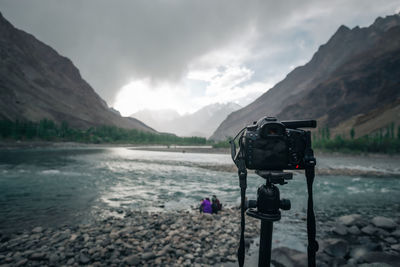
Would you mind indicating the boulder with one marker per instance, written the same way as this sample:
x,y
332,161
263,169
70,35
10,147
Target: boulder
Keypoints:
x,y
340,229
358,252
288,257
353,230
383,222
395,233
337,248
369,230
381,257
350,220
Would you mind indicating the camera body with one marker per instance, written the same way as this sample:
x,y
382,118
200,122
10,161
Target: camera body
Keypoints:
x,y
273,145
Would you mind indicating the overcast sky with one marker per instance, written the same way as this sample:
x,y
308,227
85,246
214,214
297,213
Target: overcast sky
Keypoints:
x,y
186,54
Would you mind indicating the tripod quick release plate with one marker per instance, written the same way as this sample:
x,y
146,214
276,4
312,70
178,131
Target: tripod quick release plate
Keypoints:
x,y
275,177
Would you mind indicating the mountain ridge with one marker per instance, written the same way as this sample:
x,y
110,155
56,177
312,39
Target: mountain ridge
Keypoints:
x,y
340,48
36,82
199,123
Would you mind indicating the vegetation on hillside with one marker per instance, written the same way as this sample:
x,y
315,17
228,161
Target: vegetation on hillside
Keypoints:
x,y
385,140
47,130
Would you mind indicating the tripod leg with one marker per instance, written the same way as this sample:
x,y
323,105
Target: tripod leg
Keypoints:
x,y
264,257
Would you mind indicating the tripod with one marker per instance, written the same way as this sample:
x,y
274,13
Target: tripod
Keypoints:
x,y
266,208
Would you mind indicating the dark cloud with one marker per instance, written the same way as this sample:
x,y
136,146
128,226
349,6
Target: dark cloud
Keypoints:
x,y
113,42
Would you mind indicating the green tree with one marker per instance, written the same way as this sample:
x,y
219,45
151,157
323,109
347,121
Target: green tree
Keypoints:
x,y
352,133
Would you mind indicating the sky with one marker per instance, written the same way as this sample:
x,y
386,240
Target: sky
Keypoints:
x,y
183,55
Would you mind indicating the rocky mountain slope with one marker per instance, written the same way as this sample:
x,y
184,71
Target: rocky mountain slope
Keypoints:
x,y
355,72
36,83
200,123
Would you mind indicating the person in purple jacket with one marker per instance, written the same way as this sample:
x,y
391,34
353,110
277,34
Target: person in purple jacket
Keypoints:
x,y
206,205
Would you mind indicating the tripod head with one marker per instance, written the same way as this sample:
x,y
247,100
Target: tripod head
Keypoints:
x,y
268,204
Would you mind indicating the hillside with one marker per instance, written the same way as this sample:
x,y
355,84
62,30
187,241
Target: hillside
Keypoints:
x,y
36,83
355,72
200,123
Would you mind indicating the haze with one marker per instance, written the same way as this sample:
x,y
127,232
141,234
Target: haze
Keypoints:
x,y
183,55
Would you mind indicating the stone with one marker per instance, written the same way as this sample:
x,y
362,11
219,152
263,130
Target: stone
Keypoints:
x,y
383,222
207,216
70,261
37,256
53,259
337,248
395,247
148,256
381,257
132,260
395,233
37,230
377,264
210,254
73,237
340,229
288,257
391,240
353,230
189,256
351,219
369,244
369,230
21,262
358,252
83,259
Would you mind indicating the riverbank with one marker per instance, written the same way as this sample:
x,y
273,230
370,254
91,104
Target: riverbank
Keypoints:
x,y
181,238
187,238
329,164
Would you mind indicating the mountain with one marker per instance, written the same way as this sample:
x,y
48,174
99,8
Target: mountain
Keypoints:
x,y
36,83
157,119
355,72
200,123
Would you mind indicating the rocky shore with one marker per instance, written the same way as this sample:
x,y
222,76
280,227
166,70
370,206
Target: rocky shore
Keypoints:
x,y
187,238
351,241
181,238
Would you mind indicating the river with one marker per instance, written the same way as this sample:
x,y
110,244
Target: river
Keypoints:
x,y
57,186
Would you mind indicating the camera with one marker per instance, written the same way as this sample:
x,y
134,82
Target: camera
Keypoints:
x,y
269,147
270,144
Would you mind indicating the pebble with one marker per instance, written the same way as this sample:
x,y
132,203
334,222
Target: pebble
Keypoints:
x,y
182,238
132,260
37,230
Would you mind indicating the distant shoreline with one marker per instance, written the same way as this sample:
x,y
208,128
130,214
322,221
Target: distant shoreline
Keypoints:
x,y
165,148
210,150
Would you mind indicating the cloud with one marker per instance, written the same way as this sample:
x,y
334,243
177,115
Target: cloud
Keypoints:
x,y
224,48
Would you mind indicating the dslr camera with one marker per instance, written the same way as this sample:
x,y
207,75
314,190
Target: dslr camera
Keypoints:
x,y
270,144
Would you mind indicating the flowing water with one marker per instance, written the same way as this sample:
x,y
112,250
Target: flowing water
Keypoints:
x,y
56,186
